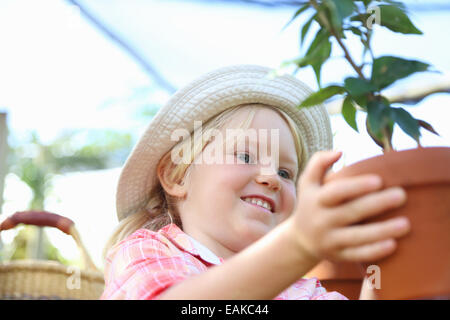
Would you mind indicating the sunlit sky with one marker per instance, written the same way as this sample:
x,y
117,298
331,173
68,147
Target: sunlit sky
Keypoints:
x,y
57,71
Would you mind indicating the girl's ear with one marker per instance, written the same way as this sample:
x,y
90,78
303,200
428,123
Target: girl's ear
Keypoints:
x,y
173,188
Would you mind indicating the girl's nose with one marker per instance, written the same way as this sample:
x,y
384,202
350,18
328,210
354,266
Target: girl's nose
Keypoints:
x,y
272,181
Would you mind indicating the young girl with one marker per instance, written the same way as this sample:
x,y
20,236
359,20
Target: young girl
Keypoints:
x,y
224,197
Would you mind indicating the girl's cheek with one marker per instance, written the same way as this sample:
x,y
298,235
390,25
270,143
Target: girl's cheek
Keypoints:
x,y
238,168
231,174
290,199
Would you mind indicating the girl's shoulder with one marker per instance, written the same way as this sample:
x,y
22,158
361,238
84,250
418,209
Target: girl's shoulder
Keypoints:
x,y
166,238
165,233
143,234
146,236
143,242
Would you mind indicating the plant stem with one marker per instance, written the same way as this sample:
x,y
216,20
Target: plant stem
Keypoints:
x,y
387,143
348,57
324,20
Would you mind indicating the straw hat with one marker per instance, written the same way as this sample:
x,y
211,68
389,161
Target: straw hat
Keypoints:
x,y
204,98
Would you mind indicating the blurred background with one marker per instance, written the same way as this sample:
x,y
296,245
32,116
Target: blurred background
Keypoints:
x,y
80,80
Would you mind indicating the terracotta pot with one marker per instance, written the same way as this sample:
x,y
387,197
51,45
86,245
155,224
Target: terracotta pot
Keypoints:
x,y
345,278
420,266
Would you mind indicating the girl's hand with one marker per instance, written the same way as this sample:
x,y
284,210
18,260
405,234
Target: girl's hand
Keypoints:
x,y
325,213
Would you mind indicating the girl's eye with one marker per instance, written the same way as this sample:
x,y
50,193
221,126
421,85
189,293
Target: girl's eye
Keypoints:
x,y
284,174
244,157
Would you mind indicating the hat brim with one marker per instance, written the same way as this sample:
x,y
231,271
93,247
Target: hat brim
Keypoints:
x,y
204,98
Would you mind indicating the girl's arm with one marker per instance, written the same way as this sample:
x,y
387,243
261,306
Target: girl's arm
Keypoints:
x,y
367,292
261,271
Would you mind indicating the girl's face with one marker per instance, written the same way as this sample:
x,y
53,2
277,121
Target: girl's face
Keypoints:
x,y
218,209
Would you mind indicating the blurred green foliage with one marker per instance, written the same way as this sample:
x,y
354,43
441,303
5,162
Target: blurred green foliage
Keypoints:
x,y
36,164
19,249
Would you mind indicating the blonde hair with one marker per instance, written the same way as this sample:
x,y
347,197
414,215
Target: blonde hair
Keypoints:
x,y
161,208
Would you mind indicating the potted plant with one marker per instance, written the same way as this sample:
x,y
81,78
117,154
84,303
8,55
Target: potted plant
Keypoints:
x,y
420,267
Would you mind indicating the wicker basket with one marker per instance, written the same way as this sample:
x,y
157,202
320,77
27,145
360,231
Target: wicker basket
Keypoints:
x,y
48,280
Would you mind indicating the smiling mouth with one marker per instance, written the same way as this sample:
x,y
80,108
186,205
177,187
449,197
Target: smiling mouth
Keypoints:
x,y
259,203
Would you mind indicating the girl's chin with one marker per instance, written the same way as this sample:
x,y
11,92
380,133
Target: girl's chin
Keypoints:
x,y
254,230
247,235
254,211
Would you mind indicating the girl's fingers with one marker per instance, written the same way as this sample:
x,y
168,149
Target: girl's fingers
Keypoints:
x,y
336,192
374,232
367,206
317,167
368,252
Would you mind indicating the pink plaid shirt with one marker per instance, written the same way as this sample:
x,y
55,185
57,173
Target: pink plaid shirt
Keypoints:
x,y
147,262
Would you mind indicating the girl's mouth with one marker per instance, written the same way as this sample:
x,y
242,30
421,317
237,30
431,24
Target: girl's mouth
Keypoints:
x,y
258,202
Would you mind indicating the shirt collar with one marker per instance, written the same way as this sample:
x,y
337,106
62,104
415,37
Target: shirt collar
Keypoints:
x,y
186,243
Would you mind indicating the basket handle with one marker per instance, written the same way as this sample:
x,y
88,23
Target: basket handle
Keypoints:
x,y
38,218
48,219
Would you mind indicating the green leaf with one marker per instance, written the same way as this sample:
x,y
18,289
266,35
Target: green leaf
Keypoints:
x,y
384,137
362,101
337,11
349,113
297,13
322,95
321,55
363,17
378,117
318,52
357,86
386,70
427,126
406,122
344,8
321,36
395,19
355,31
305,28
